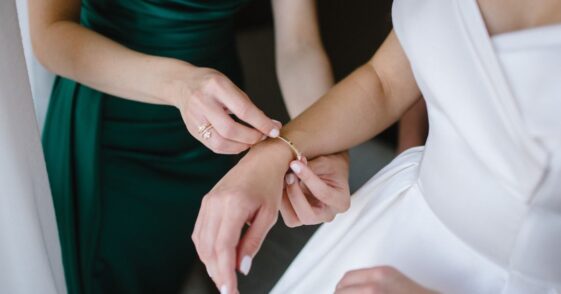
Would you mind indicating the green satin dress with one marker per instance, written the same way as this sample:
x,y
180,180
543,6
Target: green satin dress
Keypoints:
x,y
127,178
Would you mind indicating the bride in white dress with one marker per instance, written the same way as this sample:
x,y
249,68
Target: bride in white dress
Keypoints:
x,y
477,210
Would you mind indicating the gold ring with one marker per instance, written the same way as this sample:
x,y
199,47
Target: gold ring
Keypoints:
x,y
202,128
207,133
205,130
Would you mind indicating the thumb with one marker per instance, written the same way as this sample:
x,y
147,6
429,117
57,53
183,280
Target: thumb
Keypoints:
x,y
253,238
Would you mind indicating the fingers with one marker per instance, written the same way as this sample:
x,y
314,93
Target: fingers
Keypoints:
x,y
381,279
370,275
225,250
221,145
230,129
253,238
215,141
196,236
306,214
206,241
360,289
288,214
318,187
242,107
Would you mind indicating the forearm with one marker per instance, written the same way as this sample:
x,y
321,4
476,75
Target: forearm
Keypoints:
x,y
304,75
352,112
413,127
73,51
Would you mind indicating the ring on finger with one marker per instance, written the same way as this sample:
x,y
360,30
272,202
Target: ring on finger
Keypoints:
x,y
203,127
206,131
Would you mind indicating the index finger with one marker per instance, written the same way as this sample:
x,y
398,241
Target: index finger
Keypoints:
x,y
316,185
242,107
225,247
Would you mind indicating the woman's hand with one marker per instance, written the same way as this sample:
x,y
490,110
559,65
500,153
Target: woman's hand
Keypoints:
x,y
315,193
206,98
382,279
249,194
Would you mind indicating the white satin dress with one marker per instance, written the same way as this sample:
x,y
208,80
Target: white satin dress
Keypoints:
x,y
478,209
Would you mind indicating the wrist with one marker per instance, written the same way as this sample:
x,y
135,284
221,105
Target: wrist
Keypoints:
x,y
273,151
171,84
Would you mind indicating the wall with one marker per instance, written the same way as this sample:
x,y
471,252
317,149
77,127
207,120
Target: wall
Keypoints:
x,y
29,250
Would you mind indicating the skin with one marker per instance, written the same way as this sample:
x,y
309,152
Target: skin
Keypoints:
x,y
303,26
378,280
413,127
202,95
374,96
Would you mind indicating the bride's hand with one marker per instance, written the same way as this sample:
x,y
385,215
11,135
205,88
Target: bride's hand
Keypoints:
x,y
382,279
316,192
250,193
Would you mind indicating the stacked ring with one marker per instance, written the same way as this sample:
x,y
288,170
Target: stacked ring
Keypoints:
x,y
205,131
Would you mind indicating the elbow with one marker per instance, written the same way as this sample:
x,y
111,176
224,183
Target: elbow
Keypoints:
x,y
296,50
39,46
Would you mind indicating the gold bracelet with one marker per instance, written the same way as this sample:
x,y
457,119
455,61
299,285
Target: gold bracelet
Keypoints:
x,y
292,147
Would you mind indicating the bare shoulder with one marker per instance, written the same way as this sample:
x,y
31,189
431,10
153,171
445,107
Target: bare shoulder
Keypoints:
x,y
503,16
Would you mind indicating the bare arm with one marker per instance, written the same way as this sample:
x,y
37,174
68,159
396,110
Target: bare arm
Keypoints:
x,y
66,48
373,97
303,67
202,95
413,127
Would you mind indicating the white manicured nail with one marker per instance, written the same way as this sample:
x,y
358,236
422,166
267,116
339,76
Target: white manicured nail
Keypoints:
x,y
245,265
224,289
290,179
274,133
295,167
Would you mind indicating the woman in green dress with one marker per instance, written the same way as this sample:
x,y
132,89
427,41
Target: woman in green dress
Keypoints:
x,y
138,116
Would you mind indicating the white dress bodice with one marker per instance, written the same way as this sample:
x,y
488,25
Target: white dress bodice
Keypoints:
x,y
496,102
478,209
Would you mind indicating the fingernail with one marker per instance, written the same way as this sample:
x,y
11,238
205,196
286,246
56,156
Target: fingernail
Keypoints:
x,y
274,133
295,167
224,289
290,179
245,265
277,123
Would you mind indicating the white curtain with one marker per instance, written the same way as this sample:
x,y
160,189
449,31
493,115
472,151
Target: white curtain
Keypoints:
x,y
41,79
30,259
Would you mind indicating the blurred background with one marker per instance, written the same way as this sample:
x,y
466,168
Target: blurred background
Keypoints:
x,y
352,30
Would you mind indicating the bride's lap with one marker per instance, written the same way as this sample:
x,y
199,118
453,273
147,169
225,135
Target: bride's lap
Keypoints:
x,y
390,223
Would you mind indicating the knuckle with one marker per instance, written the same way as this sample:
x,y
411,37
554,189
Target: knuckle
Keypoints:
x,y
214,80
218,146
382,273
346,204
243,108
222,247
205,253
271,214
228,130
330,218
195,238
346,277
308,220
197,97
292,223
